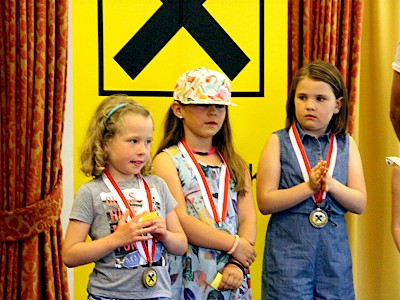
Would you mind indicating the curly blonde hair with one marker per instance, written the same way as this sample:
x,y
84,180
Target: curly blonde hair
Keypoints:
x,y
105,124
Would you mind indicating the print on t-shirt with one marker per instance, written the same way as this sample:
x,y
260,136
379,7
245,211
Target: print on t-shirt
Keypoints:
x,y
129,256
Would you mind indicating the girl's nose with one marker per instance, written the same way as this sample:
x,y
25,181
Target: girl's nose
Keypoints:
x,y
310,104
141,148
212,109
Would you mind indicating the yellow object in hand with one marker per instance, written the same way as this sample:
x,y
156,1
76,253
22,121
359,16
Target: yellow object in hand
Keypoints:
x,y
216,281
148,216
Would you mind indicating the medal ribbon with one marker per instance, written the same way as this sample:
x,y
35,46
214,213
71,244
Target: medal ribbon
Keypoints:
x,y
124,205
303,160
218,213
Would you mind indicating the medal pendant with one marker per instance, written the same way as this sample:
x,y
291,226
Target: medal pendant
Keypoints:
x,y
318,218
149,278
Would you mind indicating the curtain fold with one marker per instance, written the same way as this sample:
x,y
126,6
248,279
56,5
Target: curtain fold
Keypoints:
x,y
33,65
328,30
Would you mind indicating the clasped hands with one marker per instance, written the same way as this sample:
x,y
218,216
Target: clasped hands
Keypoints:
x,y
232,275
132,231
319,177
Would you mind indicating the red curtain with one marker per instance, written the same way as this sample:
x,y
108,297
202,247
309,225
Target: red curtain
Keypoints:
x,y
33,64
328,30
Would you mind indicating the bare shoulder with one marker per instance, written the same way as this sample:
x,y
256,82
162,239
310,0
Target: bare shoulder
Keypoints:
x,y
352,145
161,157
163,164
271,147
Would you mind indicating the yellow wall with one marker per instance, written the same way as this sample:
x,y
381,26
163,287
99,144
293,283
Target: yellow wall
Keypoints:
x,y
376,257
253,120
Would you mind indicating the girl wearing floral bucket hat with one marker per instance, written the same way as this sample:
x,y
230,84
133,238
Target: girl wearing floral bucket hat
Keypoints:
x,y
212,186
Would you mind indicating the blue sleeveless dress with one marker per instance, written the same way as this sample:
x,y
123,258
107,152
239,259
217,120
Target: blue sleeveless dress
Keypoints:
x,y
301,261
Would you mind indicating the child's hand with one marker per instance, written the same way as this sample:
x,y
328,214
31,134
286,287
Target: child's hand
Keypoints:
x,y
131,231
232,278
316,175
159,229
245,253
326,182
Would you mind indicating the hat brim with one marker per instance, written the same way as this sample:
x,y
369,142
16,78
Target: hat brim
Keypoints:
x,y
211,102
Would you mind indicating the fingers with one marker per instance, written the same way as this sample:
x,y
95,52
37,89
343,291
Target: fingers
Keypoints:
x,y
317,176
245,253
124,217
232,278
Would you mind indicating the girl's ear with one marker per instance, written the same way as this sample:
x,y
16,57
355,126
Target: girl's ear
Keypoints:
x,y
105,147
177,109
339,102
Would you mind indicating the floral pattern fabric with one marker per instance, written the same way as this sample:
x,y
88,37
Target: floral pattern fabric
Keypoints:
x,y
191,274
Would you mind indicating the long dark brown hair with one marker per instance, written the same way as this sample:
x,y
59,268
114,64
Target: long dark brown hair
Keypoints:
x,y
321,71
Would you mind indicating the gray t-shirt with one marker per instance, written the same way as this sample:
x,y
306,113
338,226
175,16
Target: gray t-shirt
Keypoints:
x,y
119,274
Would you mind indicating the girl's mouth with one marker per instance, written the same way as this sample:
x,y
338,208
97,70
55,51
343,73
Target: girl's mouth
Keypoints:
x,y
137,162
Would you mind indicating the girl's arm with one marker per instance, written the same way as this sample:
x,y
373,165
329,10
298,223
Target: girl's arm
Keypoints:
x,y
247,214
247,229
396,206
76,251
395,103
352,196
197,232
270,198
171,234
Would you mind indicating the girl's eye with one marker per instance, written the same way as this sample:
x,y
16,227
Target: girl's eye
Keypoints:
x,y
301,97
149,142
133,141
202,105
206,106
320,98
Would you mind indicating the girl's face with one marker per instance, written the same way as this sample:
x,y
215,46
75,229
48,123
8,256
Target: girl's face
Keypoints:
x,y
315,105
201,121
129,150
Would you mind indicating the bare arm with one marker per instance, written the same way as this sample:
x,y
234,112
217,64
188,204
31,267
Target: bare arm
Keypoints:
x,y
395,103
247,229
171,234
270,198
232,275
197,232
247,214
76,251
352,196
396,206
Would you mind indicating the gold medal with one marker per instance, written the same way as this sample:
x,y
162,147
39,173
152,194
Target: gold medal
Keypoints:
x,y
318,218
149,277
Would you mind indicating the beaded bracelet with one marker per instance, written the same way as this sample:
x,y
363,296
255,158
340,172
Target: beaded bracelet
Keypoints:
x,y
238,265
235,244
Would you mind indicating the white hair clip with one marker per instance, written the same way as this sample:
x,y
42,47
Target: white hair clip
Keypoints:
x,y
393,160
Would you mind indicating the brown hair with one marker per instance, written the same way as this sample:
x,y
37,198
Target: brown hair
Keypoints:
x,y
174,132
321,71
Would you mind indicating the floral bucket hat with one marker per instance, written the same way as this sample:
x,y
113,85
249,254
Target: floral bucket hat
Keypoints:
x,y
203,86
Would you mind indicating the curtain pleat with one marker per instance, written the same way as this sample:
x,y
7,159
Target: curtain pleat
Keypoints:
x,y
33,64
328,30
